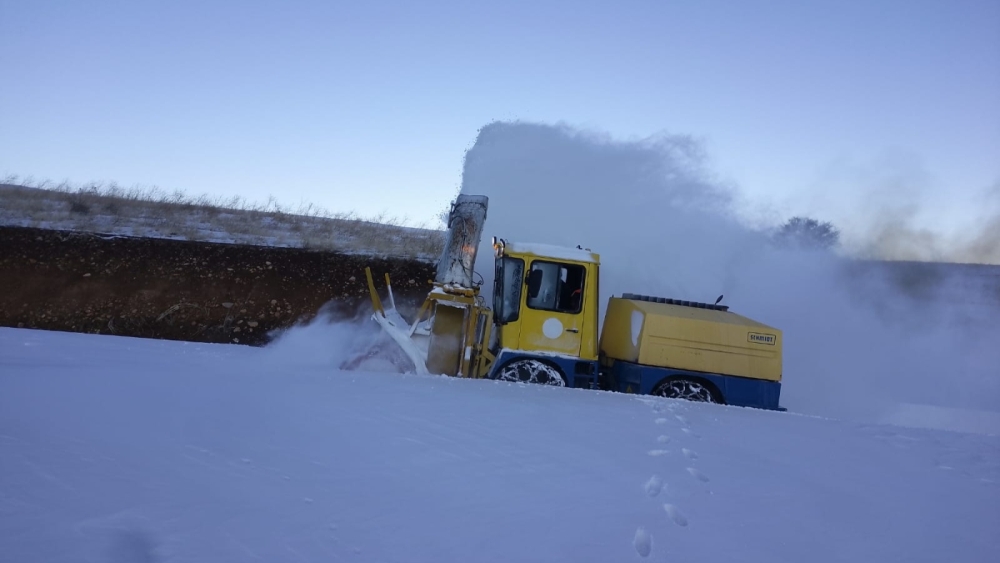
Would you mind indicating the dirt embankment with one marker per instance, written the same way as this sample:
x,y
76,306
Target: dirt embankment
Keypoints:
x,y
182,290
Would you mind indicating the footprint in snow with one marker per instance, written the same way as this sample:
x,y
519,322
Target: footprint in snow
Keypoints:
x,y
675,514
690,454
643,542
656,453
663,439
698,474
654,486
682,419
661,421
690,432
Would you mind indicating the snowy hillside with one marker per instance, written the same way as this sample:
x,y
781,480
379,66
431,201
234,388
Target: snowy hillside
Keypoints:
x,y
116,449
153,213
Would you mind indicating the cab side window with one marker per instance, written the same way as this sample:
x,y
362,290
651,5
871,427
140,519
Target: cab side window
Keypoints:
x,y
556,287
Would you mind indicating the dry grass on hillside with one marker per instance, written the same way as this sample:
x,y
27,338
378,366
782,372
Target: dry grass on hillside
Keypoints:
x,y
152,212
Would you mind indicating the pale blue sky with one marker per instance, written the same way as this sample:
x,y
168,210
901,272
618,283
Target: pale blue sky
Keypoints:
x,y
369,106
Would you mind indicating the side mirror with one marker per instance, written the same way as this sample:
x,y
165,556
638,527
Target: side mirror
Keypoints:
x,y
534,283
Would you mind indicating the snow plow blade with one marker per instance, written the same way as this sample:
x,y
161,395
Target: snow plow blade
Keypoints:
x,y
393,324
448,336
454,325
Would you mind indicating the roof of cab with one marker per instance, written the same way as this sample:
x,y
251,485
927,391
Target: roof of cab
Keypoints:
x,y
553,251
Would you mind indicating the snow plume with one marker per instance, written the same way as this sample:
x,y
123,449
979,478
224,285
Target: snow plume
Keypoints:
x,y
634,203
855,345
896,235
330,339
890,206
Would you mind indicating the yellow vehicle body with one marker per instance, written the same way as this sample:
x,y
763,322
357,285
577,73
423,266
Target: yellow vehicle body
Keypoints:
x,y
562,317
691,338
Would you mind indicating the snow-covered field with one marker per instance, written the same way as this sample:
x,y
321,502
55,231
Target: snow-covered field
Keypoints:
x,y
117,449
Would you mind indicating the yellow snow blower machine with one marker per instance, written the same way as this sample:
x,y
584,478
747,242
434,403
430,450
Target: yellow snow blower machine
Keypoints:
x,y
542,327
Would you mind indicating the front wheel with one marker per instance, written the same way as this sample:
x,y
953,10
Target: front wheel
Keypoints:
x,y
531,371
687,389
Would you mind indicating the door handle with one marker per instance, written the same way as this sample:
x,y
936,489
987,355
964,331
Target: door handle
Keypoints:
x,y
572,330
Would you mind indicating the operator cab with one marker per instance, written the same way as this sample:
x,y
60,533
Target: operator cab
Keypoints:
x,y
545,299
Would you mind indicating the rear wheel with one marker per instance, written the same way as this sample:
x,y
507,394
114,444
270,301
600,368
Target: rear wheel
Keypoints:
x,y
531,371
687,389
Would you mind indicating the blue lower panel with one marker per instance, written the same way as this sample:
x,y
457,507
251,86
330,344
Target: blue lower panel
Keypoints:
x,y
579,373
627,377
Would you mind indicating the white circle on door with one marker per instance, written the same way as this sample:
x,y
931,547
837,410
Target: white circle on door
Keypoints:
x,y
552,328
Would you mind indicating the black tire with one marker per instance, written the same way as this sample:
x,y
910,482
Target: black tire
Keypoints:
x,y
689,389
527,370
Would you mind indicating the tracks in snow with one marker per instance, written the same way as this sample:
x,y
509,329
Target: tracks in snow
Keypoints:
x,y
655,486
